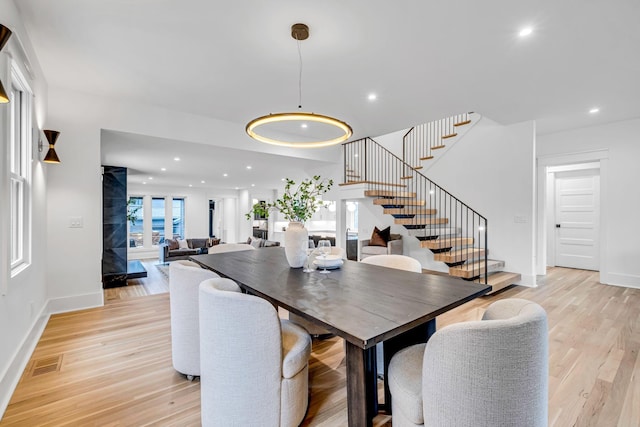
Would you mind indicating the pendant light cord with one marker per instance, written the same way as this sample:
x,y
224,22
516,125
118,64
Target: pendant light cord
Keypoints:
x,y
299,75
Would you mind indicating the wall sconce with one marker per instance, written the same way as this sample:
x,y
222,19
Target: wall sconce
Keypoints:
x,y
52,136
5,33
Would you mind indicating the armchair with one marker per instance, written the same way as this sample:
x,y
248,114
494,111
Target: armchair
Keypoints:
x,y
496,367
394,247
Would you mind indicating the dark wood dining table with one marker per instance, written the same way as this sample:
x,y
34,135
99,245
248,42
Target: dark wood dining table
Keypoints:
x,y
362,303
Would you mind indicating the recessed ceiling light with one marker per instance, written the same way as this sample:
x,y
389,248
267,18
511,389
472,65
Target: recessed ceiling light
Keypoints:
x,y
304,126
525,32
594,110
144,182
163,169
190,185
177,159
248,167
150,178
225,174
282,180
237,188
253,185
355,155
372,97
202,182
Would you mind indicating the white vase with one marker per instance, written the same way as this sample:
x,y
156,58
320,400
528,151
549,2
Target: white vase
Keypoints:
x,y
296,242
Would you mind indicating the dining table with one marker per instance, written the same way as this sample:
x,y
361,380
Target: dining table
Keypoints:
x,y
362,303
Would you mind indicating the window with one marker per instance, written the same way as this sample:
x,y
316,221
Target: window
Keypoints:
x,y
20,146
135,216
177,214
157,220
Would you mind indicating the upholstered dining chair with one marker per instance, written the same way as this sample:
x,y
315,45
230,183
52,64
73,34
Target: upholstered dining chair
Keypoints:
x,y
230,247
255,366
492,372
400,262
184,279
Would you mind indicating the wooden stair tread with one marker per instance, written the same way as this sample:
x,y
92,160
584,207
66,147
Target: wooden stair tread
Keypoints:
x,y
403,202
470,270
390,193
446,243
451,135
466,122
426,158
500,280
437,147
459,255
421,221
415,168
406,177
409,211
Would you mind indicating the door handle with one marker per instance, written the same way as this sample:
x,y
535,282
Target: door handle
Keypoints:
x,y
557,225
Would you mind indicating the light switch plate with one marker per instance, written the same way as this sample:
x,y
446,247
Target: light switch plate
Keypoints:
x,y
75,222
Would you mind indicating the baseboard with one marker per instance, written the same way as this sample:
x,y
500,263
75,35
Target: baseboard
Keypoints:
x,y
75,302
620,279
527,280
9,380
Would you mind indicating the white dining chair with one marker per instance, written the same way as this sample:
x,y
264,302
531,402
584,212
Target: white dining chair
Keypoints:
x,y
492,372
184,279
255,366
230,247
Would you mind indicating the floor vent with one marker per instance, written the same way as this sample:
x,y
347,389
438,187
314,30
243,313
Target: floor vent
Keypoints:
x,y
46,365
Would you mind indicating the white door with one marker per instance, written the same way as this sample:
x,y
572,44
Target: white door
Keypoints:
x,y
577,219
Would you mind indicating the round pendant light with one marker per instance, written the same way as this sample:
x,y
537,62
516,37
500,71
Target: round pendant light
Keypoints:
x,y
299,129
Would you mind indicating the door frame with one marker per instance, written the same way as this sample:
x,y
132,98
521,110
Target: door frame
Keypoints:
x,y
547,166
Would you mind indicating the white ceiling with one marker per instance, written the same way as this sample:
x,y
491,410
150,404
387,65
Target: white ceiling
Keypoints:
x,y
236,60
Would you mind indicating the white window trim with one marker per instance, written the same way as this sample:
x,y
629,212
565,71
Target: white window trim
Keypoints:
x,y
18,78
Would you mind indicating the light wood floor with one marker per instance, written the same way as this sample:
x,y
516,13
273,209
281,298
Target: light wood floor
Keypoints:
x,y
112,365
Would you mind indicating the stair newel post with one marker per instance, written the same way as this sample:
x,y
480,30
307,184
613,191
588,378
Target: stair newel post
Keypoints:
x,y
344,162
486,255
366,177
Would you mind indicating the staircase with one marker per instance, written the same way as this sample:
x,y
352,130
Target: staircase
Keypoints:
x,y
454,232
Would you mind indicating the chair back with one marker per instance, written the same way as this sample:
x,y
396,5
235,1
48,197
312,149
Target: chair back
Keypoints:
x,y
489,372
241,354
230,247
400,262
184,279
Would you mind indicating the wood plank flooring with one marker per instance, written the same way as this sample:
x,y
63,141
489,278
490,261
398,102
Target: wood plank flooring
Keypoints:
x,y
112,365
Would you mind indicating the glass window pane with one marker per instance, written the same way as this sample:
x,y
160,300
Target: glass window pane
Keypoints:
x,y
157,220
177,213
16,220
135,216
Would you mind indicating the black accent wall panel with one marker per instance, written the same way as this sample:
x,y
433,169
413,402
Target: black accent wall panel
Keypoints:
x,y
114,226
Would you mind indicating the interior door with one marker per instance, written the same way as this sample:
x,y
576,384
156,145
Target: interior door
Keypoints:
x,y
577,208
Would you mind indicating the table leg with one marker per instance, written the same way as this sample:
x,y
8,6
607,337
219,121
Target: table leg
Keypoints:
x,y
417,335
362,394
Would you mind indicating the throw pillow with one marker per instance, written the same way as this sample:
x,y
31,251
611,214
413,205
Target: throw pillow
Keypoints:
x,y
380,237
256,243
182,244
172,244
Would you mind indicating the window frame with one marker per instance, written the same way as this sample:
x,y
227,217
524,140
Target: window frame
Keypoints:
x,y
20,171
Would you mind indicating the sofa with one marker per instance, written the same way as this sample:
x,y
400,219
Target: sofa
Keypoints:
x,y
170,250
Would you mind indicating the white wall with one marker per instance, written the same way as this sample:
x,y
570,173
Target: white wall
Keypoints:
x,y
23,300
620,203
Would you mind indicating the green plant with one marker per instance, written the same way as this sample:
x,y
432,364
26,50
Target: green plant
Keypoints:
x,y
132,210
299,205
